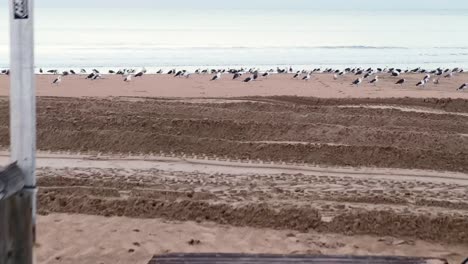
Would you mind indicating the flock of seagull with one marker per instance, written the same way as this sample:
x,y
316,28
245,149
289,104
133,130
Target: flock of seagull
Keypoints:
x,y
369,75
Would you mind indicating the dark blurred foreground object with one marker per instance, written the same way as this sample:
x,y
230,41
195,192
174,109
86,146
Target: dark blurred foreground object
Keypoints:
x,y
286,259
15,217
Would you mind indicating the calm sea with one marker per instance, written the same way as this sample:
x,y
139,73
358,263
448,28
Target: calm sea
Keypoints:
x,y
102,38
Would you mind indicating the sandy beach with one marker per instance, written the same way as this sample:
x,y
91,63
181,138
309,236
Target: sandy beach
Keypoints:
x,y
95,239
130,170
320,85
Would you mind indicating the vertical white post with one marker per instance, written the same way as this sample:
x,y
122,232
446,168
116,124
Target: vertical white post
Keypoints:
x,y
23,95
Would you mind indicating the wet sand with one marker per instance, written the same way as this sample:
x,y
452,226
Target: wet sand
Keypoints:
x,y
321,85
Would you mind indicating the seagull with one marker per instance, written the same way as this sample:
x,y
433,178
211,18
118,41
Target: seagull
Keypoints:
x,y
335,77
395,74
375,80
357,82
96,76
128,78
266,74
139,74
401,82
464,86
449,75
436,81
72,72
307,77
58,80
90,76
296,75
427,77
216,77
83,71
236,75
160,71
40,70
249,79
421,83
179,73
111,71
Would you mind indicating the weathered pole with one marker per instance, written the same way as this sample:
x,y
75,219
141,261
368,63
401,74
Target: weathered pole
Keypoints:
x,y
21,208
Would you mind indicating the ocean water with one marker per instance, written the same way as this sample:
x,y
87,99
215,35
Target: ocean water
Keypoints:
x,y
192,38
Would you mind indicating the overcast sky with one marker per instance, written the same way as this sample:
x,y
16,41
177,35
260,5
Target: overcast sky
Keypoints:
x,y
275,4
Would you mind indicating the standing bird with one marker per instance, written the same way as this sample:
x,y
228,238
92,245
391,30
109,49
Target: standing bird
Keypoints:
x,y
216,77
128,78
96,76
83,71
307,77
421,83
296,75
40,70
249,79
395,74
179,73
139,74
375,80
449,75
160,71
464,86
357,82
335,77
73,72
401,82
90,76
427,77
266,74
58,80
436,81
236,75
111,72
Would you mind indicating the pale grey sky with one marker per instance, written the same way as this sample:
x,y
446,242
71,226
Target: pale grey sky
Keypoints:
x,y
254,4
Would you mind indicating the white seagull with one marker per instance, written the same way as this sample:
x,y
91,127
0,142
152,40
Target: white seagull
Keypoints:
x,y
128,78
307,77
375,80
216,77
464,86
58,80
421,83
